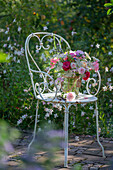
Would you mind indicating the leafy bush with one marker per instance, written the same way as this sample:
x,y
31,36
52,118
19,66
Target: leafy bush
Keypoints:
x,y
7,136
85,25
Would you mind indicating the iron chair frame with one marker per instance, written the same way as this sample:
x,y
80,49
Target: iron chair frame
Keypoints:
x,y
40,95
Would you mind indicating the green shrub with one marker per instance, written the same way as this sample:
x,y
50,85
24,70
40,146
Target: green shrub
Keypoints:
x,y
85,25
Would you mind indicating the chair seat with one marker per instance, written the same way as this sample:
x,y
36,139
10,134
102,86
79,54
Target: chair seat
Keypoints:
x,y
82,98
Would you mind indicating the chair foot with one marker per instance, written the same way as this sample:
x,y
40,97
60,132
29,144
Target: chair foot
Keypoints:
x,y
97,125
34,133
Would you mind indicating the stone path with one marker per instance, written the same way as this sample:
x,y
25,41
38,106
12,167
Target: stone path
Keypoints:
x,y
83,150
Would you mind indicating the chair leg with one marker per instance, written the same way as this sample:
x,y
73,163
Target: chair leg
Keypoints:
x,y
66,136
34,133
97,125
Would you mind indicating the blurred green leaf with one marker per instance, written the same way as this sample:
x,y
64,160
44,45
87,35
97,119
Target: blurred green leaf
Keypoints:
x,y
109,12
4,57
108,5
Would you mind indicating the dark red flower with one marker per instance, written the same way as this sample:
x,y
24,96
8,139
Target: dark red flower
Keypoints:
x,y
87,75
66,65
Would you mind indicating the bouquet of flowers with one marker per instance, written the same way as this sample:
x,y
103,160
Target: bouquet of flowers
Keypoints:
x,y
74,65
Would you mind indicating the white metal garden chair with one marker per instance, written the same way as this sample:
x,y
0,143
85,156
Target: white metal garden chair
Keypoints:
x,y
46,91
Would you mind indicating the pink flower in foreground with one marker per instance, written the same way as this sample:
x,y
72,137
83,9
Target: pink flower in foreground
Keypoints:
x,y
87,75
53,62
96,65
66,65
70,96
81,70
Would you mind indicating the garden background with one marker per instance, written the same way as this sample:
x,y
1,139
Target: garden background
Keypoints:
x,y
87,27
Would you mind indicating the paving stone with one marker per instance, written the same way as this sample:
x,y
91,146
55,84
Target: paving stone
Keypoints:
x,y
92,151
109,145
93,158
98,165
14,163
106,167
73,150
86,151
89,165
94,168
85,167
86,144
108,152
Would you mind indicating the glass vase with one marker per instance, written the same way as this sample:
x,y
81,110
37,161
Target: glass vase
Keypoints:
x,y
71,84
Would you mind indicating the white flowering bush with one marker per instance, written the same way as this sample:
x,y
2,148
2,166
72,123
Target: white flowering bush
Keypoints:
x,y
84,32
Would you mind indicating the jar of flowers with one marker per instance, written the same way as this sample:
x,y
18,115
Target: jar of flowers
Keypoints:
x,y
71,68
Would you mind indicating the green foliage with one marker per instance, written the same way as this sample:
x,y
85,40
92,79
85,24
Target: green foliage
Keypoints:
x,y
108,5
84,24
4,57
7,136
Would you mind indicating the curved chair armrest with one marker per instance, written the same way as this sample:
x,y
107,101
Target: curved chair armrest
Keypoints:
x,y
46,85
94,83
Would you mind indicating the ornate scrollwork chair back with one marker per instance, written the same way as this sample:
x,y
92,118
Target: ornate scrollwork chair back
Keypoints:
x,y
40,47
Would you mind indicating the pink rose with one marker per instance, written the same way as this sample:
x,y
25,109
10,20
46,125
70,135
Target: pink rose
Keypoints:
x,y
66,65
81,70
87,75
53,62
70,96
96,65
73,65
